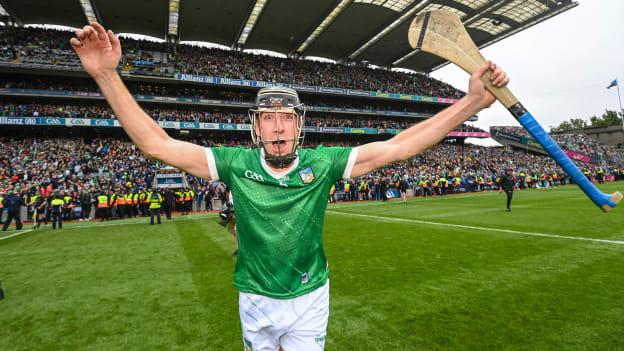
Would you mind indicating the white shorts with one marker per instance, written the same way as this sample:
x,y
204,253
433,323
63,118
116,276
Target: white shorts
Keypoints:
x,y
294,324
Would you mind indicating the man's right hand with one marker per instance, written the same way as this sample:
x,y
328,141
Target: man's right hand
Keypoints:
x,y
99,50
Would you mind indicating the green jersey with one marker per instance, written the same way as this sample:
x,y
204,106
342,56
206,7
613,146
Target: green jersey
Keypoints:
x,y
279,218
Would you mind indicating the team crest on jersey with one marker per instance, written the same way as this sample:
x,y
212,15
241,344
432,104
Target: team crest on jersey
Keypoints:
x,y
306,174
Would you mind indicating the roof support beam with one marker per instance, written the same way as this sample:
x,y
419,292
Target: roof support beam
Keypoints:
x,y
246,29
471,16
541,18
406,15
174,21
90,12
11,14
342,5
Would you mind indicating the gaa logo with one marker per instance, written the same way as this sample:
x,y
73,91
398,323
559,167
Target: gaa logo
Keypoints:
x,y
254,176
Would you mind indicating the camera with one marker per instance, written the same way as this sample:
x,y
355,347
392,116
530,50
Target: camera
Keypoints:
x,y
226,214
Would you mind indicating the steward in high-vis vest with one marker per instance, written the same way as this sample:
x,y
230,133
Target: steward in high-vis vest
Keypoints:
x,y
187,201
179,200
135,203
2,197
129,208
155,200
68,206
102,211
144,203
57,206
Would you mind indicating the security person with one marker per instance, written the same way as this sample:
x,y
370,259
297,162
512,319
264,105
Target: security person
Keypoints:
x,y
188,200
40,204
102,207
57,206
507,183
13,204
2,197
600,175
169,203
179,197
69,205
155,201
128,197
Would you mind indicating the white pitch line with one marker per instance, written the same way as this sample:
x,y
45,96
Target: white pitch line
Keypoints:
x,y
618,242
16,234
109,224
411,200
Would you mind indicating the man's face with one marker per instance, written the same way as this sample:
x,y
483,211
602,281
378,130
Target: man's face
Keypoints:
x,y
278,131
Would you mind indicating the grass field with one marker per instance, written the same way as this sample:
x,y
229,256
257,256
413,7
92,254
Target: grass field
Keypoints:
x,y
451,273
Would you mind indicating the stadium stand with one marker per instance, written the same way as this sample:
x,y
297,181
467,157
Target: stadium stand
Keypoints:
x,y
93,160
35,46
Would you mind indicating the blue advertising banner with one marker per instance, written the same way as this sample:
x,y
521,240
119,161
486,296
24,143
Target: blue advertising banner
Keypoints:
x,y
307,88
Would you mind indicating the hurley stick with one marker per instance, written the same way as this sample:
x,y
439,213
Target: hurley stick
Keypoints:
x,y
442,33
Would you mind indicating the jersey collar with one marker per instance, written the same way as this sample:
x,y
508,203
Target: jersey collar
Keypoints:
x,y
278,175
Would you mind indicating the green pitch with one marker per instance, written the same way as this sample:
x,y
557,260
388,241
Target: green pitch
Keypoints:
x,y
451,273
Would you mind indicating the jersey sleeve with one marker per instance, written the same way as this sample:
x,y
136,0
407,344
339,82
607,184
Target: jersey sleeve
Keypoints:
x,y
220,161
342,160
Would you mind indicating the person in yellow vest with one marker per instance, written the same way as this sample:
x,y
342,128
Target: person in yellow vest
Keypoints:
x,y
481,183
443,185
39,203
600,175
179,199
188,201
2,197
135,203
102,207
436,186
128,207
69,205
362,189
32,208
121,205
456,184
145,203
522,180
57,207
155,201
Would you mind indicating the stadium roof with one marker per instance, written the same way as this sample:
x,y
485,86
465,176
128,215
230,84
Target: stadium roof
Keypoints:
x,y
358,30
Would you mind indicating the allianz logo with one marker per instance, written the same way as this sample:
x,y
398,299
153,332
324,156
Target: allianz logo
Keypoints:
x,y
254,176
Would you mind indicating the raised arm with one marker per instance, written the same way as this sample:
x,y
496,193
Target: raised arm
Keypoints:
x,y
99,52
424,135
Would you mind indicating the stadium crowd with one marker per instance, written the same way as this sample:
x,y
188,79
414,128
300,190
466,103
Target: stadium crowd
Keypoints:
x,y
84,170
51,47
577,142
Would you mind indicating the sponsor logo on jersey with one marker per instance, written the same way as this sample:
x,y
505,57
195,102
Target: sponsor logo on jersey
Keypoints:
x,y
248,346
306,174
253,175
305,278
320,340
